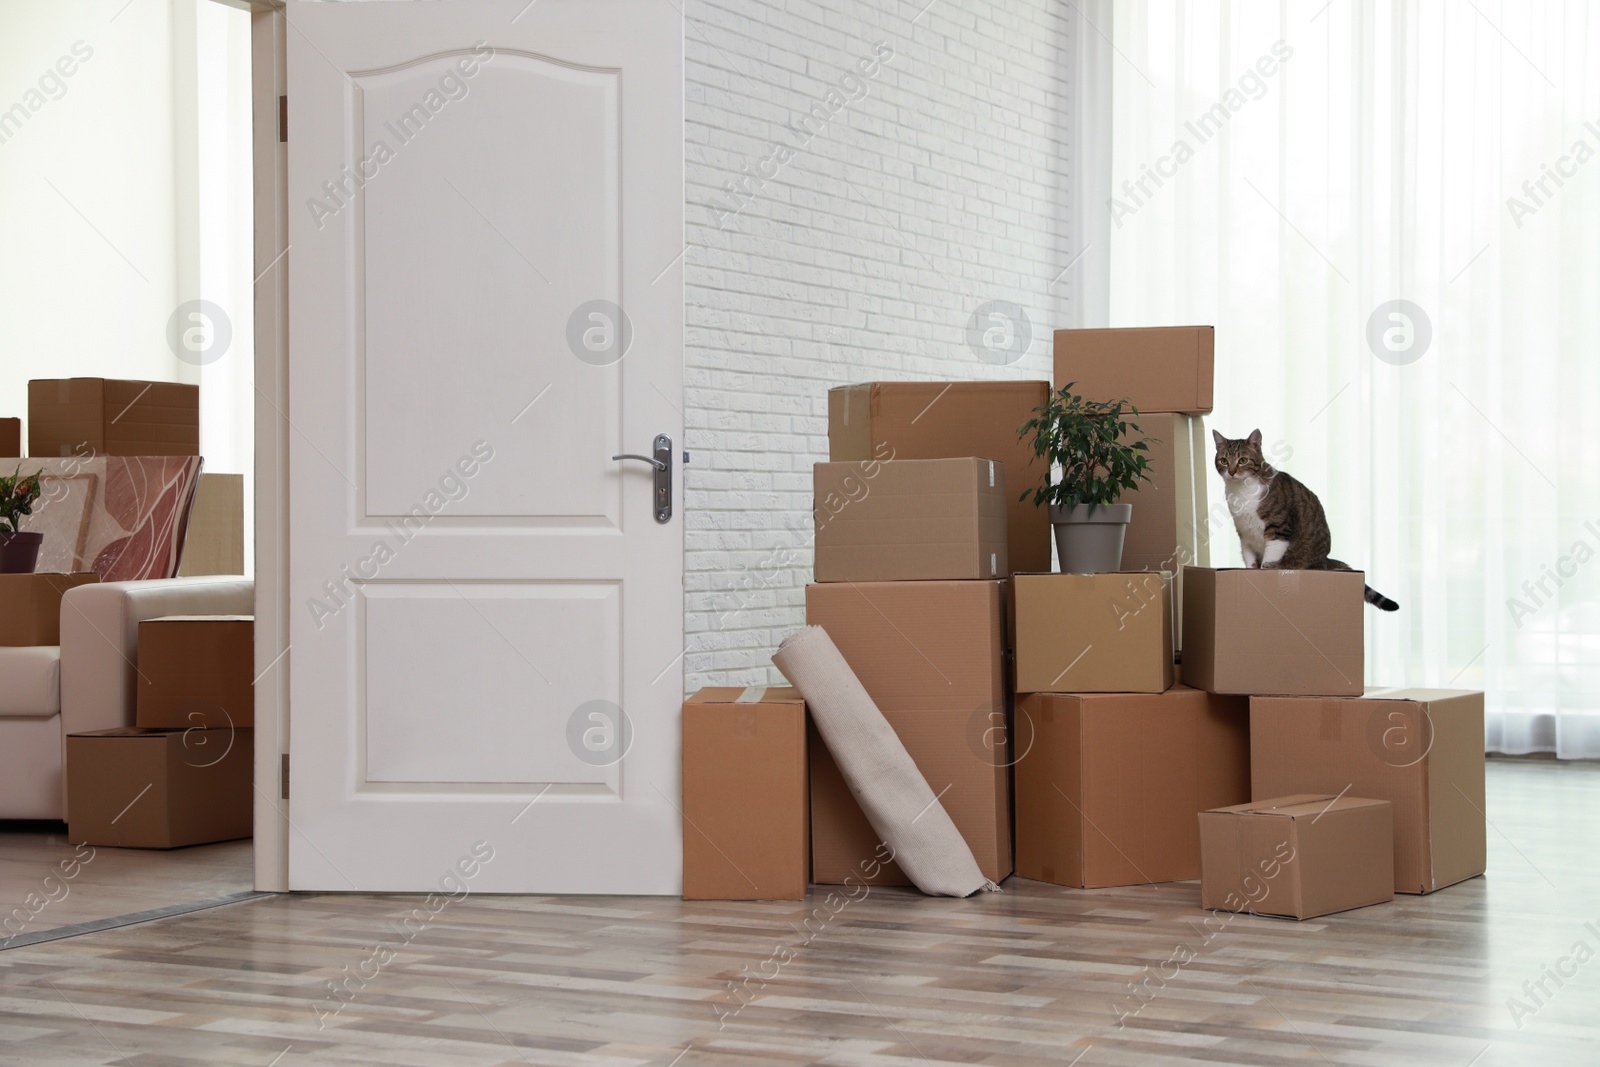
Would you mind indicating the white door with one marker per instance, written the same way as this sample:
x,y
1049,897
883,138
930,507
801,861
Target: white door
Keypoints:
x,y
485,306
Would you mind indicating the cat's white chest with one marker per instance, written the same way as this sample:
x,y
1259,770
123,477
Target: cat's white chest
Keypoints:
x,y
1244,501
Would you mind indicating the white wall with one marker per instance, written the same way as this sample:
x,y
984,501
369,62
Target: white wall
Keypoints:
x,y
126,191
942,187
88,261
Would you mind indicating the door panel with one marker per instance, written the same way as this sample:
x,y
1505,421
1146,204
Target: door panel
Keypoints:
x,y
487,638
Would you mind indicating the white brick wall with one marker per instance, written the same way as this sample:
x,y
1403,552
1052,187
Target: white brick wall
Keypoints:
x,y
943,187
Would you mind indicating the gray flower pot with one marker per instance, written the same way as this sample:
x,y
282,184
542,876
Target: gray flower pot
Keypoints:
x,y
1090,542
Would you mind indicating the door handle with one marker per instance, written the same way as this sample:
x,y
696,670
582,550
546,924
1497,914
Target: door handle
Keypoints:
x,y
662,462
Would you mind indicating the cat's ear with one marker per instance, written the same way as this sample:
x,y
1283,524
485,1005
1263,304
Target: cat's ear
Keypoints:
x,y
1255,439
1218,438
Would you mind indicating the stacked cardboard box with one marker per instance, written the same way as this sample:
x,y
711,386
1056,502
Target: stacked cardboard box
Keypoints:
x,y
919,524
110,417
11,437
183,775
1119,760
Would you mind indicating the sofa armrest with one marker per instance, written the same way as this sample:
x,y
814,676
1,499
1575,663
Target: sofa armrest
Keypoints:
x,y
100,639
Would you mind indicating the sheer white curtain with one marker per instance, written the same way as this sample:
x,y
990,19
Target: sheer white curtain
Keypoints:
x,y
1286,171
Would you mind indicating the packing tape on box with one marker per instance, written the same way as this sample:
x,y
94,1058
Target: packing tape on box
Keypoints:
x,y
744,721
991,474
994,564
1332,721
753,694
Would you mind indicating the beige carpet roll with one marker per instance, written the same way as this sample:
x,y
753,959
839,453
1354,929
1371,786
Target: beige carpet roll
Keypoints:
x,y
886,783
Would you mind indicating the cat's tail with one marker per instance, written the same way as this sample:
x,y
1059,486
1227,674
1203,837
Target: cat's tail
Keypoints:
x,y
1371,595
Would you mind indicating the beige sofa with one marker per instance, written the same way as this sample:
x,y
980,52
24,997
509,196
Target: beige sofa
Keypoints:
x,y
89,681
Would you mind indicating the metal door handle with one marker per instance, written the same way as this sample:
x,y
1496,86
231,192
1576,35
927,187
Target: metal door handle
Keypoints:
x,y
662,462
656,463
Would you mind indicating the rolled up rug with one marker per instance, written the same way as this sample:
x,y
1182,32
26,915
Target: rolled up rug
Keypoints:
x,y
896,798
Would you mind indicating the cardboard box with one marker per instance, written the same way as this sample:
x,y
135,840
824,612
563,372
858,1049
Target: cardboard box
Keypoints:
x,y
943,420
1171,529
1297,856
30,606
135,788
1419,749
932,657
1093,633
1273,631
746,814
112,417
196,670
11,438
911,520
1109,785
214,541
1162,368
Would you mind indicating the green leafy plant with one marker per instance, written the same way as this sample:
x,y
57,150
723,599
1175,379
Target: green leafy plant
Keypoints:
x,y
1097,450
17,494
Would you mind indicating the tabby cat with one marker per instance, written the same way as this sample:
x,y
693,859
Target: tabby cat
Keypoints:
x,y
1280,521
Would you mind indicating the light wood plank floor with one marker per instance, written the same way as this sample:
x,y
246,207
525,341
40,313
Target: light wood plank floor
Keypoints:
x,y
111,881
892,980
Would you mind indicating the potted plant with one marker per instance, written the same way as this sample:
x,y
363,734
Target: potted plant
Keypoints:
x,y
19,550
1099,455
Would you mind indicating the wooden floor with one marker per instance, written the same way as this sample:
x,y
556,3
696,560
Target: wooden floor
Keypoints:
x,y
1035,975
109,881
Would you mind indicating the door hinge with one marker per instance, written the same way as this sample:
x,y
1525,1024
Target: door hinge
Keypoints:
x,y
283,779
283,119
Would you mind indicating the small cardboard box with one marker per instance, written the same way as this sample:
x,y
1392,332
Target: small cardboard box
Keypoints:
x,y
1093,633
112,417
911,520
11,438
1109,785
932,657
196,670
214,542
30,606
1170,528
746,815
1419,749
944,420
1273,631
1162,368
134,788
1297,856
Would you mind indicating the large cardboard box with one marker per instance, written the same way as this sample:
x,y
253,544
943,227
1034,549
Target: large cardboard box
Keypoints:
x,y
1093,633
1170,528
112,417
196,670
1161,368
214,542
1419,749
911,520
932,657
1273,631
30,606
10,438
1297,856
135,788
1109,785
943,420
746,815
